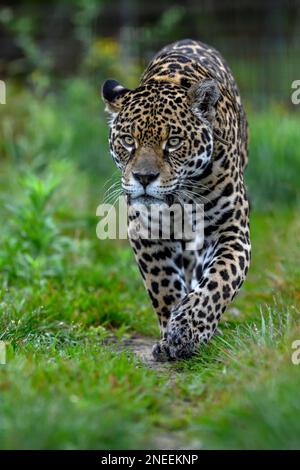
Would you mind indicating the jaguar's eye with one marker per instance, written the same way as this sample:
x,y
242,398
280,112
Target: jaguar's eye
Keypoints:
x,y
173,143
127,141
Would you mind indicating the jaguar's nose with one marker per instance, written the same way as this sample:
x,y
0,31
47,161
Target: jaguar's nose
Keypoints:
x,y
145,178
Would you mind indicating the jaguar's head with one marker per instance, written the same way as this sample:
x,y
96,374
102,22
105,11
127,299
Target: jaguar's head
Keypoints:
x,y
161,136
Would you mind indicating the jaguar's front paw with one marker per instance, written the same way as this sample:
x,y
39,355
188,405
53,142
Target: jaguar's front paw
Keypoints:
x,y
181,344
160,351
174,347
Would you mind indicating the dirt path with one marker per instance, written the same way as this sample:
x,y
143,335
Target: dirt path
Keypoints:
x,y
141,346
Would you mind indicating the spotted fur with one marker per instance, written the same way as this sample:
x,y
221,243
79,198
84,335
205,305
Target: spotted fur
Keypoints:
x,y
181,135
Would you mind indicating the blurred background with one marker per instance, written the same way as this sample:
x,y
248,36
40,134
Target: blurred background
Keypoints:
x,y
260,39
63,293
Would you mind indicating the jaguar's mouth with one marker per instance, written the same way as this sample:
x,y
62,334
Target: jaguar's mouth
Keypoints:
x,y
150,200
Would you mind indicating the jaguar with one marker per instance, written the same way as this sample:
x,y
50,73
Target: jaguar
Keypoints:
x,y
181,136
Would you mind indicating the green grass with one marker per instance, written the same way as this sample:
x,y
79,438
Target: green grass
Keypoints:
x,y
77,396
67,299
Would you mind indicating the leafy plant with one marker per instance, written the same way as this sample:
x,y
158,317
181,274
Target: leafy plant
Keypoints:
x,y
33,246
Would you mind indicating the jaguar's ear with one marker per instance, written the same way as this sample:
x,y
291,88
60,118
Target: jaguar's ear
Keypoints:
x,y
113,95
203,98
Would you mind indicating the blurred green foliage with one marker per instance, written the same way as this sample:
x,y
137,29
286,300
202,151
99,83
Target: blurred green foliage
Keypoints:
x,y
32,238
119,38
274,158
